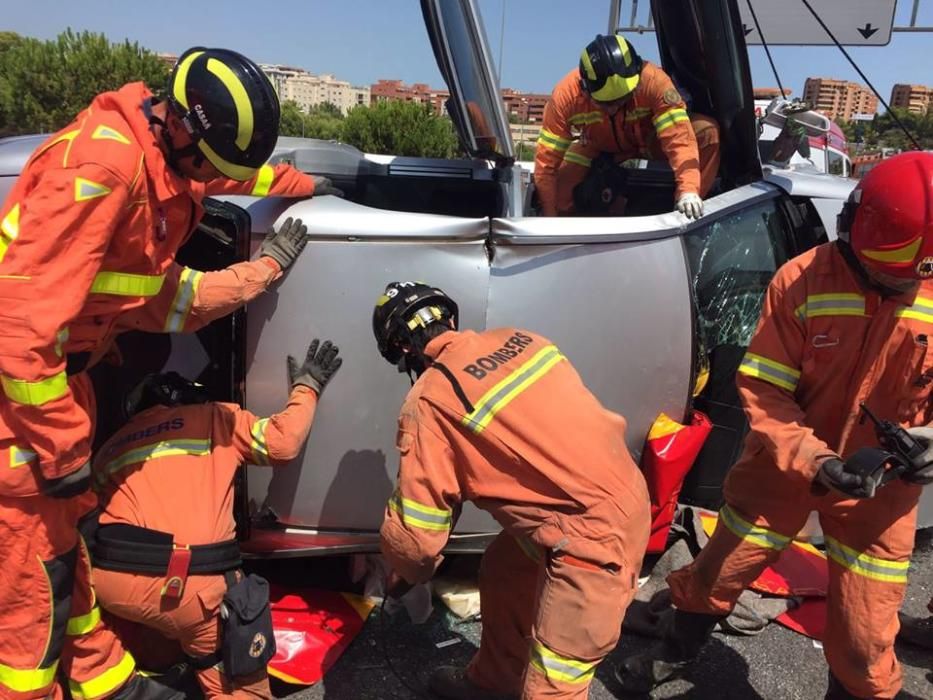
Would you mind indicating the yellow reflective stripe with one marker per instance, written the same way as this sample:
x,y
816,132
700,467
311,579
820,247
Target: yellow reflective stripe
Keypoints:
x,y
125,284
231,170
905,254
420,515
27,680
529,549
669,118
106,682
753,534
244,108
9,229
88,189
921,310
82,624
836,304
561,668
156,450
637,113
555,141
577,159
258,445
586,118
875,568
21,456
184,298
107,133
263,181
770,371
35,393
514,384
181,79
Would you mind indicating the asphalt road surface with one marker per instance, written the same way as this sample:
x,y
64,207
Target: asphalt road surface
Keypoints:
x,y
775,665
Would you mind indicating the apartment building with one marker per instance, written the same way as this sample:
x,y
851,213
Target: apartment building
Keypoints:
x,y
309,90
388,90
839,99
913,98
524,107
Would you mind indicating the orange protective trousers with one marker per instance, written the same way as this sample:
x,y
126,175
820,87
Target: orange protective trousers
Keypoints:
x,y
824,345
537,450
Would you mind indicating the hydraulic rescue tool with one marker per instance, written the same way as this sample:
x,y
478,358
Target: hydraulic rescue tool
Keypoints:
x,y
897,459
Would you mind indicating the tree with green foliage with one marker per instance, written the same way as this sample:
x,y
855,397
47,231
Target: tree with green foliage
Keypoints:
x,y
401,128
44,84
884,132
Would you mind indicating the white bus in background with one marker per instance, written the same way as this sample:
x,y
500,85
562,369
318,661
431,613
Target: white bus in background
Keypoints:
x,y
828,148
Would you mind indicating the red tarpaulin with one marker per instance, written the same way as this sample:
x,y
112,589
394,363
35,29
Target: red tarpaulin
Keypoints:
x,y
312,629
670,451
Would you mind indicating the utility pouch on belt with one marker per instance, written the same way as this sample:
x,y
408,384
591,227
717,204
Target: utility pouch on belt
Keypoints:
x,y
248,642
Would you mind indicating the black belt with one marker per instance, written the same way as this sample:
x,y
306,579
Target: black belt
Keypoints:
x,y
76,362
141,550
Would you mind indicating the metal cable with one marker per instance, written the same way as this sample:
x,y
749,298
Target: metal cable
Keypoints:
x,y
767,49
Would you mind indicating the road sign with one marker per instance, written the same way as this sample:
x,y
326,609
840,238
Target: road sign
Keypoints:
x,y
852,22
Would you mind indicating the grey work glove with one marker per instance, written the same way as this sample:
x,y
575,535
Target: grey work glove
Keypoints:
x,y
318,368
690,205
73,484
923,473
285,245
323,185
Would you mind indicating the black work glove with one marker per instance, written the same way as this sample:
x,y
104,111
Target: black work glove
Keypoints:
x,y
70,485
323,185
285,245
921,471
318,368
836,475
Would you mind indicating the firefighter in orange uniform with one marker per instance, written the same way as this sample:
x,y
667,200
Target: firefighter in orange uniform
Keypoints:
x,y
166,551
502,419
616,103
844,323
88,233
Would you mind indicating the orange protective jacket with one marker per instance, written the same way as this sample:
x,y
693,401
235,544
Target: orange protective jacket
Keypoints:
x,y
171,468
823,345
88,233
656,111
534,448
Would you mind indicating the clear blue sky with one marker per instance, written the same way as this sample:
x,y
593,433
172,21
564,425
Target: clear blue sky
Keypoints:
x,y
364,40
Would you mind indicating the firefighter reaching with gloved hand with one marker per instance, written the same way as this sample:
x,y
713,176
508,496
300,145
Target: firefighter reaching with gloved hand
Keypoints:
x,y
88,237
166,554
502,419
844,323
620,105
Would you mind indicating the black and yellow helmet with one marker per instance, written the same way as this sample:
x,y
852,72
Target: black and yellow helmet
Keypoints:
x,y
403,308
609,68
229,107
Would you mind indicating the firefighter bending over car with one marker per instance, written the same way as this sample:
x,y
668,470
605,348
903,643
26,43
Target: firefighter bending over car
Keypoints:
x,y
166,555
502,419
87,240
844,323
620,105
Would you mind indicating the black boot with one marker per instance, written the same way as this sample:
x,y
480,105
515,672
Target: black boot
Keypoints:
x,y
835,691
670,658
916,630
140,687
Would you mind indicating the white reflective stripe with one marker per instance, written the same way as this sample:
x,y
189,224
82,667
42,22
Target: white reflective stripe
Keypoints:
x,y
770,371
420,515
258,446
886,570
156,450
188,285
753,534
561,668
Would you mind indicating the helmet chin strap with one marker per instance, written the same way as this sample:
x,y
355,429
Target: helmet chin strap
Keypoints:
x,y
173,153
856,266
412,364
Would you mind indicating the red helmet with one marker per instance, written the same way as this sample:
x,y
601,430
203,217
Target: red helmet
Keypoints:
x,y
888,219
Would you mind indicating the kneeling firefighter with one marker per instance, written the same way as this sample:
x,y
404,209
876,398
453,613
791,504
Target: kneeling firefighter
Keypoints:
x,y
502,419
166,555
